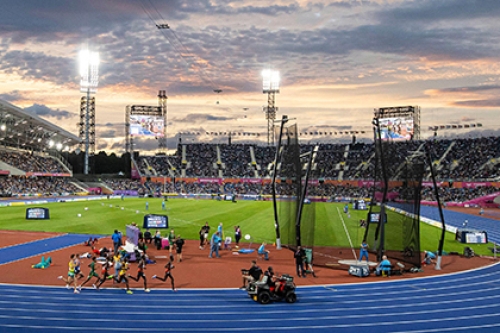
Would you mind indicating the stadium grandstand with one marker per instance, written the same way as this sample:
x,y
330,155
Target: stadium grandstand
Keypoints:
x,y
457,160
31,162
466,169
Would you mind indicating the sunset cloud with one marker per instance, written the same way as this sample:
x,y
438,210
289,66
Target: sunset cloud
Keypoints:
x,y
338,60
488,103
44,111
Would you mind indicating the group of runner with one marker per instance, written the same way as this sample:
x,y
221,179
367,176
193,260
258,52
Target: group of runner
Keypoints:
x,y
121,264
120,261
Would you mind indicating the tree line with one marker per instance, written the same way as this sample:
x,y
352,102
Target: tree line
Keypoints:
x,y
101,163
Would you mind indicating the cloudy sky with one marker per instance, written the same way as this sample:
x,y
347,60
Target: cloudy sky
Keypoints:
x,y
338,61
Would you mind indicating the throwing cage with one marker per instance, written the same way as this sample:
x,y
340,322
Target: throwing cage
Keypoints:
x,y
398,174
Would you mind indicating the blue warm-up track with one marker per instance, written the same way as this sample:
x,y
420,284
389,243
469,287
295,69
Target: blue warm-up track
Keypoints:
x,y
456,219
460,302
39,247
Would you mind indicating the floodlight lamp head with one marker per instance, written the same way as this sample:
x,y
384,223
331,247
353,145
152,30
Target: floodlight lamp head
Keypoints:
x,y
89,71
270,81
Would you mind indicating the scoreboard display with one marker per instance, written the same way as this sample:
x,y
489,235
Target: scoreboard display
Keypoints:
x,y
376,217
155,221
471,236
37,213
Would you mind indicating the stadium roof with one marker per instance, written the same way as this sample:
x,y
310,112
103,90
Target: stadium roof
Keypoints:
x,y
21,129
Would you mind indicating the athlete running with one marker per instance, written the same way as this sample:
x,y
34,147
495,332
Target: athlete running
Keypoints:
x,y
168,273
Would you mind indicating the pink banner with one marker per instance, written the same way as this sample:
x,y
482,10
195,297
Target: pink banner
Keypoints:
x,y
475,184
210,180
485,201
390,196
46,174
369,183
94,190
251,180
134,173
447,204
312,182
431,184
4,172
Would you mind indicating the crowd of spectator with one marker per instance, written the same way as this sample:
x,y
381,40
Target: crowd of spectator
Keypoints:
x,y
454,160
236,162
50,186
324,190
468,159
460,159
264,156
123,184
202,158
457,194
28,162
161,165
42,186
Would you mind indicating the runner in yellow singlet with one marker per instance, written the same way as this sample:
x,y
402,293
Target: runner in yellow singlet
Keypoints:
x,y
122,275
71,274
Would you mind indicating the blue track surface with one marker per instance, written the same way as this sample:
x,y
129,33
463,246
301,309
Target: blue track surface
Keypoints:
x,y
456,219
462,302
39,247
465,302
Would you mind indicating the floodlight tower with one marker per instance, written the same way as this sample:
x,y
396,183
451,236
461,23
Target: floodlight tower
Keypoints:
x,y
270,86
89,73
162,103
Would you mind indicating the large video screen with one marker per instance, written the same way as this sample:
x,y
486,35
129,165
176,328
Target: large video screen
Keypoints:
x,y
143,125
37,213
400,128
155,221
375,218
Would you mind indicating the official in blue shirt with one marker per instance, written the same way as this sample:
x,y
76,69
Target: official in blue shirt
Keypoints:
x,y
384,268
214,245
263,252
428,257
363,252
219,229
117,241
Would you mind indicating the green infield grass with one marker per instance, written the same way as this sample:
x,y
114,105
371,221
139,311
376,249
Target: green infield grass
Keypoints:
x,y
186,216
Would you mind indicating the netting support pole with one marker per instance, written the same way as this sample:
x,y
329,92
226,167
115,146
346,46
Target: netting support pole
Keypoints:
x,y
277,157
440,208
310,162
385,181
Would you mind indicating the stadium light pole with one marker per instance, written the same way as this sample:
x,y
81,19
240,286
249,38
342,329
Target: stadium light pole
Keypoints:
x,y
271,87
89,73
